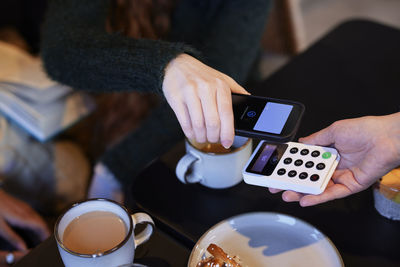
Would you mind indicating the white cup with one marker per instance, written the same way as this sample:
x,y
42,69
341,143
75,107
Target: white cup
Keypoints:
x,y
121,254
214,170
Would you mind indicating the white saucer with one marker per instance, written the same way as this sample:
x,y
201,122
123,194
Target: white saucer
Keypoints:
x,y
269,239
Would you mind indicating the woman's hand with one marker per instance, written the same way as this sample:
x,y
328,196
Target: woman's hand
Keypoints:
x,y
14,212
201,99
369,148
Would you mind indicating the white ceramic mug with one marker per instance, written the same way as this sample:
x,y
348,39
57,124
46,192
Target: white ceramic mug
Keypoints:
x,y
214,170
121,254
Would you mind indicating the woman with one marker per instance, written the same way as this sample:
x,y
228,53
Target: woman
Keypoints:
x,y
194,53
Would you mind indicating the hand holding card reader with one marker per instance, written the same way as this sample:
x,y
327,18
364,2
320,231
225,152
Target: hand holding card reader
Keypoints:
x,y
291,166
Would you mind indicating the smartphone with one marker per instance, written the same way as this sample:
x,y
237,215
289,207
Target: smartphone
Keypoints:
x,y
275,120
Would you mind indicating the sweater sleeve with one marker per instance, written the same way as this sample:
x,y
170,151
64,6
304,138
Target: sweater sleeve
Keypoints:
x,y
231,35
77,50
233,42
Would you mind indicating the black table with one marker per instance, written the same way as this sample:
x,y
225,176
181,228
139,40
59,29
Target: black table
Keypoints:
x,y
351,72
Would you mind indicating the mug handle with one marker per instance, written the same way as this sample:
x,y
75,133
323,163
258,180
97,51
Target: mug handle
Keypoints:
x,y
144,235
184,165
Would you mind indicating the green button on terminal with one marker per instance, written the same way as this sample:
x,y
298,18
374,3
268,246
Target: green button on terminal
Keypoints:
x,y
326,155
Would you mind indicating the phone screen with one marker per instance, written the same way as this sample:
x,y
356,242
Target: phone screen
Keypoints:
x,y
273,118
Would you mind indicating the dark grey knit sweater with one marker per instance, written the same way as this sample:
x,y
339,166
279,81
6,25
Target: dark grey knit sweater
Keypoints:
x,y
77,51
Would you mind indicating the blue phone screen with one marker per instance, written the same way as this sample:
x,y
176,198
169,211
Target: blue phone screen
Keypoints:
x,y
273,118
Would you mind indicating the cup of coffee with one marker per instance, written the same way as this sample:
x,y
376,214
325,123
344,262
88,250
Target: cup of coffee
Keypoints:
x,y
100,232
212,165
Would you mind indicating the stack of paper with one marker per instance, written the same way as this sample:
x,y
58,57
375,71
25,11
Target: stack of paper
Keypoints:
x,y
27,96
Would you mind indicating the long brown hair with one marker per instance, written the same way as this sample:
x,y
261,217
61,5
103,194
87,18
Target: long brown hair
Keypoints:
x,y
140,18
119,113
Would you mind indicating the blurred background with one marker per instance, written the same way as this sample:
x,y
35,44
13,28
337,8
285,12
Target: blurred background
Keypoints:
x,y
301,22
293,25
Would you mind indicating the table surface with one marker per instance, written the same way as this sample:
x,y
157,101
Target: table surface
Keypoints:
x,y
351,72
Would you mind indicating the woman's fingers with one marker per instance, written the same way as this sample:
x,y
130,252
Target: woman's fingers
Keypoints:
x,y
234,86
212,122
8,234
182,114
224,100
20,214
197,118
217,108
201,99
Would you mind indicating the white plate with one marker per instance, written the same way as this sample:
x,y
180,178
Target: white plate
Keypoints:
x,y
269,239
